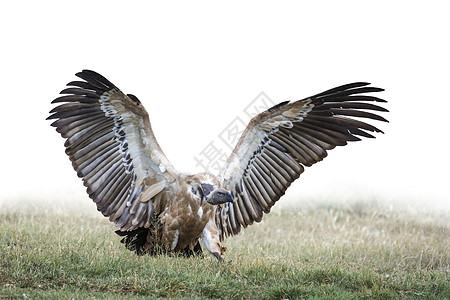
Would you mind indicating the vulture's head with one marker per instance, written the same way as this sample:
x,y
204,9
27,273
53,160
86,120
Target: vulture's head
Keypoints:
x,y
213,195
216,196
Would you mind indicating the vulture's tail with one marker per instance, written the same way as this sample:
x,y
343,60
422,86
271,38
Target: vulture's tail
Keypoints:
x,y
135,240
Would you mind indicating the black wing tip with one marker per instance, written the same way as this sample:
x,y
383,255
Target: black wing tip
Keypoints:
x,y
95,78
375,89
88,72
351,91
358,84
279,105
134,98
367,87
67,91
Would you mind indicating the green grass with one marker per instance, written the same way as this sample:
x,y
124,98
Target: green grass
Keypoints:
x,y
332,251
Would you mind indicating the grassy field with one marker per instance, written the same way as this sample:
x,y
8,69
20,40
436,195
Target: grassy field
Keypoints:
x,y
325,251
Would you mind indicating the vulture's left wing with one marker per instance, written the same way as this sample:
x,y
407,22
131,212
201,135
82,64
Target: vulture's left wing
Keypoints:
x,y
112,147
279,142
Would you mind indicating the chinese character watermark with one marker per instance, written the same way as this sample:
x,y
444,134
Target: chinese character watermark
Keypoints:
x,y
231,134
213,157
261,103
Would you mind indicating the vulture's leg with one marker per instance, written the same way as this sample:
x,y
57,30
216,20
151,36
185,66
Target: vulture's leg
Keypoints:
x,y
210,240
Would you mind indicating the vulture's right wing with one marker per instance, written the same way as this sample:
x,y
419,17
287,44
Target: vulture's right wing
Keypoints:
x,y
112,147
278,143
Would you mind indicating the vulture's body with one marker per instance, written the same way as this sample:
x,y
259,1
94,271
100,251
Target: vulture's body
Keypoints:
x,y
112,147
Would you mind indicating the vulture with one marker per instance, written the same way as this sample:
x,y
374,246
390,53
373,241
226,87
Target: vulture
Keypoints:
x,y
156,208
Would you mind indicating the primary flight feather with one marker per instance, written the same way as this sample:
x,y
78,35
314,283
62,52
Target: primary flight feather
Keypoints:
x,y
111,145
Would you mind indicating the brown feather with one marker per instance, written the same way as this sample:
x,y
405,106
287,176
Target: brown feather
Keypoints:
x,y
256,193
258,184
110,206
265,183
297,152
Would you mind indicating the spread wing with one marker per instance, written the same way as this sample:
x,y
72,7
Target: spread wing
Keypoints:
x,y
278,143
112,147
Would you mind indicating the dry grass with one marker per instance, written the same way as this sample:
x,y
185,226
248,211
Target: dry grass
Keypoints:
x,y
348,251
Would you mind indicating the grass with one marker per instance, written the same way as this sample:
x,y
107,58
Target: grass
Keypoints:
x,y
326,251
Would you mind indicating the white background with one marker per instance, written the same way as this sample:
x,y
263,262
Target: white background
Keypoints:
x,y
196,64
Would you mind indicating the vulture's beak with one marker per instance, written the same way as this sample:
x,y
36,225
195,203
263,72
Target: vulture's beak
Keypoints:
x,y
229,197
219,196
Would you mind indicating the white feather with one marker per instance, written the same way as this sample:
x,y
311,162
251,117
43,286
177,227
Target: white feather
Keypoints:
x,y
175,241
200,212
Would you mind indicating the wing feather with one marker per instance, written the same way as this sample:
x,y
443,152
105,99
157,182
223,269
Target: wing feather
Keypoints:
x,y
263,184
112,147
115,193
258,185
278,143
264,171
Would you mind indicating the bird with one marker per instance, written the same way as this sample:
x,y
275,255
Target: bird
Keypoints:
x,y
156,208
